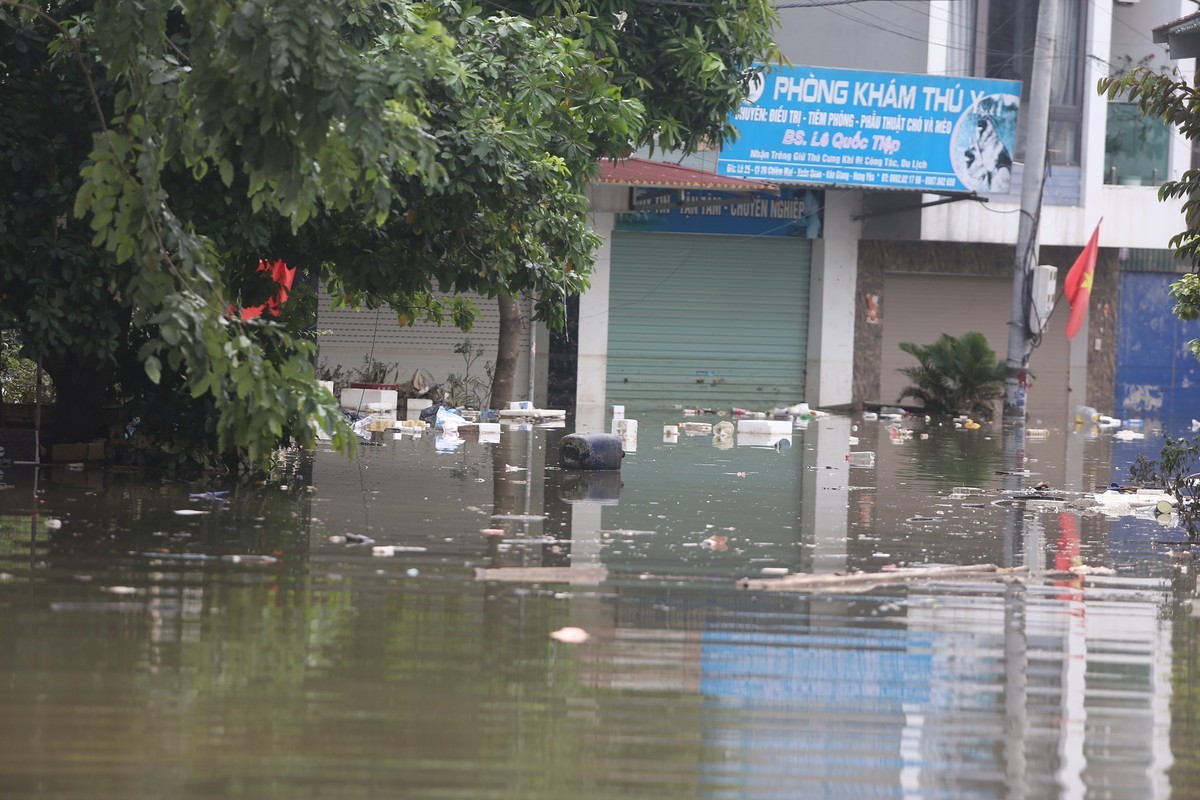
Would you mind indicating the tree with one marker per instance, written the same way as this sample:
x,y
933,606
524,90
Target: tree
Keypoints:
x,y
390,149
689,64
1171,98
955,375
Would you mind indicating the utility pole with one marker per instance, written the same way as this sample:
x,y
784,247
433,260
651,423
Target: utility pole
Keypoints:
x,y
1020,343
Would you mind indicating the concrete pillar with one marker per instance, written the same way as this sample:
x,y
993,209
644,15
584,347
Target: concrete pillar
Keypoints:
x,y
831,303
593,335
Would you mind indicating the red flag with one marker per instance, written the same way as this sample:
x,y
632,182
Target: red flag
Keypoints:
x,y
281,274
1078,285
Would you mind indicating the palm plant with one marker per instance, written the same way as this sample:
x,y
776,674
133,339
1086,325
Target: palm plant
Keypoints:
x,y
955,375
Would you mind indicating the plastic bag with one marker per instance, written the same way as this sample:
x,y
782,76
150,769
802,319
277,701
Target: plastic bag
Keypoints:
x,y
429,413
448,419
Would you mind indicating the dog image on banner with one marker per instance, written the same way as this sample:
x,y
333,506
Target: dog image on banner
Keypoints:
x,y
983,141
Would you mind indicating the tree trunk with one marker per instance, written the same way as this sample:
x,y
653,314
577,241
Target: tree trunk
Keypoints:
x,y
508,350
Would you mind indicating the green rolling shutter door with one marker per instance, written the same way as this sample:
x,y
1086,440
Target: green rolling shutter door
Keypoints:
x,y
715,321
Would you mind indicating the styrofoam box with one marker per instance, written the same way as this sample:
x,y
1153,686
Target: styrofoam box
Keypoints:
x,y
363,398
771,426
415,406
762,439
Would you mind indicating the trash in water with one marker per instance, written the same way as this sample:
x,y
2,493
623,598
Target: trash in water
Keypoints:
x,y
626,430
448,420
570,635
209,495
861,458
590,451
119,590
250,559
717,543
189,512
768,426
1126,435
388,550
351,538
722,432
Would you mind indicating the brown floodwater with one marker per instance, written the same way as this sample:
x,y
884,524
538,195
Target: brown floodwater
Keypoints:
x,y
262,645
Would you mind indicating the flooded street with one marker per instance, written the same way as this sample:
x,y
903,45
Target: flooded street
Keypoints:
x,y
350,631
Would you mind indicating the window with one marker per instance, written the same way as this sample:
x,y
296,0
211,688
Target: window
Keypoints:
x,y
995,39
1135,148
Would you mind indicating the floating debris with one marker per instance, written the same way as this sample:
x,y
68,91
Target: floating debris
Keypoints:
x,y
388,550
250,559
351,539
862,581
570,635
586,575
221,495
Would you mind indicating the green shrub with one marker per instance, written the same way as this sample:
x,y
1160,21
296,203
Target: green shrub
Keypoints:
x,y
955,376
1175,472
18,375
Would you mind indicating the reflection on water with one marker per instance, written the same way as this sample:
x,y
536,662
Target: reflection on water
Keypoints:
x,y
265,648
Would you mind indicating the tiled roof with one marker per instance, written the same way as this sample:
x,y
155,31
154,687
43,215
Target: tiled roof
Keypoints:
x,y
655,174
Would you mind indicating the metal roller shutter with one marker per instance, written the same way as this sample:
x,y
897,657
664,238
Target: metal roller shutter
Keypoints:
x,y
921,307
715,321
348,336
1157,374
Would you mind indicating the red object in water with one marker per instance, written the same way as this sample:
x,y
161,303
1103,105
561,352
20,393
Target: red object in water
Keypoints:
x,y
282,274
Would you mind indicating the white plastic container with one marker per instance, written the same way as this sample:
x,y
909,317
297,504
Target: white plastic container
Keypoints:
x,y
361,399
762,439
861,458
775,427
625,428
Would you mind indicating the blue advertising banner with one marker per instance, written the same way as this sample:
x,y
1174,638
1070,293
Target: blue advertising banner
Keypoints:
x,y
842,127
795,212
